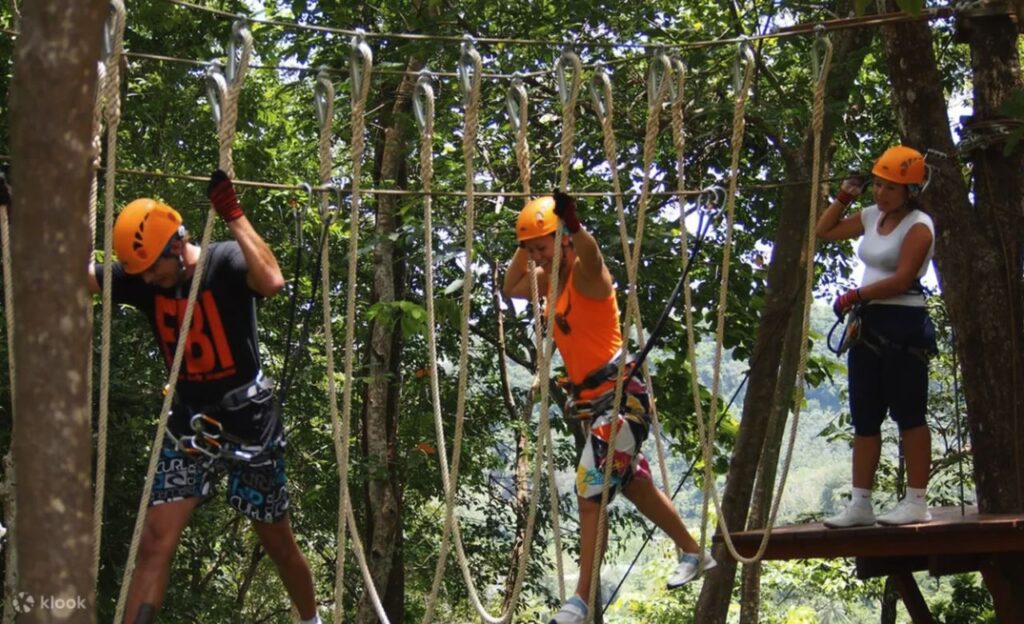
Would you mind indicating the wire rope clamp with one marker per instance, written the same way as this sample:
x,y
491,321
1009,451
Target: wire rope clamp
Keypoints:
x,y
516,102
659,69
744,55
216,88
601,93
565,88
241,38
359,61
323,97
423,100
469,67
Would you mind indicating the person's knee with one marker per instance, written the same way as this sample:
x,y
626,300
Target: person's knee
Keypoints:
x,y
158,543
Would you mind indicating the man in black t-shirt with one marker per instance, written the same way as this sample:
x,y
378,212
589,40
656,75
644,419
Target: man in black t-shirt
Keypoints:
x,y
224,419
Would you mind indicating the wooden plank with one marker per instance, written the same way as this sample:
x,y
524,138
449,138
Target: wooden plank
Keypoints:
x,y
912,598
950,533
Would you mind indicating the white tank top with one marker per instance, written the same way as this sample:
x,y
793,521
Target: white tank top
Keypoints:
x,y
880,253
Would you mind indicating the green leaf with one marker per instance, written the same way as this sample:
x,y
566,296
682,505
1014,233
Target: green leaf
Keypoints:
x,y
911,6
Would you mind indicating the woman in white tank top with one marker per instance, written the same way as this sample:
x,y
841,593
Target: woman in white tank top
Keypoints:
x,y
888,368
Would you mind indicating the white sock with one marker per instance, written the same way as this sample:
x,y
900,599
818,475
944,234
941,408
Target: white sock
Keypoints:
x,y
861,497
916,496
313,620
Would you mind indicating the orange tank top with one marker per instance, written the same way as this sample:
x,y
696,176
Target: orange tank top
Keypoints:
x,y
587,333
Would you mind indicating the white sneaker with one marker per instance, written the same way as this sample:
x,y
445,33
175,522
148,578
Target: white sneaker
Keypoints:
x,y
906,512
574,611
690,566
853,516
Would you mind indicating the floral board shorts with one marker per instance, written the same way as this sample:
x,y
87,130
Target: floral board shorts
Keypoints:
x,y
628,462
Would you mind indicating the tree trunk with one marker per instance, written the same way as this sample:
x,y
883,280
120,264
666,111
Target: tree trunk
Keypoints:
x,y
764,489
52,100
380,426
977,249
784,291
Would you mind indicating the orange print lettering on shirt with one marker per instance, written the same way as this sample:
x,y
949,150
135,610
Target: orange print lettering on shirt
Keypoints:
x,y
207,352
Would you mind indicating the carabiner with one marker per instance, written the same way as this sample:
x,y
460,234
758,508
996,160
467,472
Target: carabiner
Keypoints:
x,y
239,36
360,59
567,56
515,102
323,97
216,88
657,71
469,66
601,93
423,99
200,423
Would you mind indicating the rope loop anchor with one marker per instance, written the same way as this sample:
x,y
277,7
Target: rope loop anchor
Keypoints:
x,y
323,95
601,93
821,47
239,37
744,55
571,58
423,99
110,29
677,87
657,71
516,101
469,66
361,57
216,88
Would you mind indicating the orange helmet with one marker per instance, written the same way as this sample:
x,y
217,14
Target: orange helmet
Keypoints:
x,y
900,164
142,231
537,218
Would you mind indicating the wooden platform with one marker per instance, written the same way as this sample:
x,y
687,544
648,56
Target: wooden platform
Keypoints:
x,y
952,543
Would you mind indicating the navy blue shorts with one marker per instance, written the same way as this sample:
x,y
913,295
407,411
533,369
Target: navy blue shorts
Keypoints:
x,y
888,368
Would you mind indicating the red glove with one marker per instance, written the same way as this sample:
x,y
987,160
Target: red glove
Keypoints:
x,y
222,195
846,301
565,208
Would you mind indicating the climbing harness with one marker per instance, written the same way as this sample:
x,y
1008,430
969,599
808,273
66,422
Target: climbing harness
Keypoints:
x,y
850,334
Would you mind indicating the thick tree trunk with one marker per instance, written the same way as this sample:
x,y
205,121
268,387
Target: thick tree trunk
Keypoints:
x,y
380,425
52,100
785,285
978,249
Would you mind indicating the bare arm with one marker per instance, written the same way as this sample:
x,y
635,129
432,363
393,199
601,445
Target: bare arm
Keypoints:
x,y
912,255
590,277
264,275
94,284
517,277
831,224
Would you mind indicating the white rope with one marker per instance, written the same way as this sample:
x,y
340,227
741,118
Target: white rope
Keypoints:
x,y
656,96
112,114
362,69
225,137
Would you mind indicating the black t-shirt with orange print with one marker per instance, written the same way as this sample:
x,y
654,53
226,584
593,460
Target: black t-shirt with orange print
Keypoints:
x,y
222,352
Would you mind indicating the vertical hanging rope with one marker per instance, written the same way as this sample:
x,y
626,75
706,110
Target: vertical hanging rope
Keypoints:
x,y
657,90
361,72
225,107
112,114
10,500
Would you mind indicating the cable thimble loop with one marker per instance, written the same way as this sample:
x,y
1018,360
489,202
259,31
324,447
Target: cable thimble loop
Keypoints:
x,y
323,94
239,34
216,88
423,99
677,86
745,54
570,57
821,47
469,61
601,93
659,68
711,199
109,33
515,101
360,58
